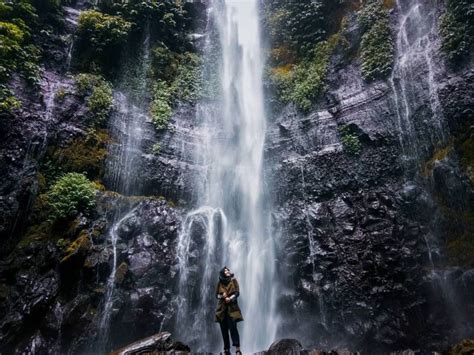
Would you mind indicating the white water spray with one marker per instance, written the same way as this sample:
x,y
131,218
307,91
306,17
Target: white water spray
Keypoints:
x,y
232,224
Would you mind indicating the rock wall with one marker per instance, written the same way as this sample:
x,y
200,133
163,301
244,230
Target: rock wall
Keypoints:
x,y
369,254
362,247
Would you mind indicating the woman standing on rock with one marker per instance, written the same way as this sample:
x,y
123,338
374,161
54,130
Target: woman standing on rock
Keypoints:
x,y
228,311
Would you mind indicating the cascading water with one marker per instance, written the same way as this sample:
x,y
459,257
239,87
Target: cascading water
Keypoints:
x,y
231,226
416,47
127,127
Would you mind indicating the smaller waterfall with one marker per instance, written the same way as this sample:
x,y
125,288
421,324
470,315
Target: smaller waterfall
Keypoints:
x,y
104,325
128,122
312,248
414,75
127,126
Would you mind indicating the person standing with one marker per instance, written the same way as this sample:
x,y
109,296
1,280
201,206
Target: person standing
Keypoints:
x,y
228,312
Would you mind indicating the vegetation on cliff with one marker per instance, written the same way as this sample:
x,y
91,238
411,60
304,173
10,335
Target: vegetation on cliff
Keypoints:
x,y
457,30
376,47
71,194
18,54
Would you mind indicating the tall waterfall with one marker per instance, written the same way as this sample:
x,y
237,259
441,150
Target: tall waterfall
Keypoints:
x,y
231,225
417,47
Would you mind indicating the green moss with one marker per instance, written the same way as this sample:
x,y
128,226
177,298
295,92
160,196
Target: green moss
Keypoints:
x,y
466,347
160,107
438,155
457,30
98,95
121,272
17,53
84,155
376,48
36,232
99,37
350,140
304,82
156,148
60,94
79,246
71,194
466,151
187,84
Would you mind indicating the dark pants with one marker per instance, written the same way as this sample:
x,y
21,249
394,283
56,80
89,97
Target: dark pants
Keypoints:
x,y
228,324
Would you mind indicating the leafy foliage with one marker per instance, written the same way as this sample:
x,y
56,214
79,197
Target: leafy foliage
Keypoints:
x,y
99,38
99,96
17,52
297,25
304,82
376,48
83,155
179,80
156,148
350,140
160,107
457,30
71,194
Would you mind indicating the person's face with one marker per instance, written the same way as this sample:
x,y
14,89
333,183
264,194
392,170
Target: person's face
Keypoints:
x,y
227,272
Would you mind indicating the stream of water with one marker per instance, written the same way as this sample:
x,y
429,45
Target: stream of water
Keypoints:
x,y
230,226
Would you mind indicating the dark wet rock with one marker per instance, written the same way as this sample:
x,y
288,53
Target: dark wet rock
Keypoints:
x,y
60,291
156,344
285,346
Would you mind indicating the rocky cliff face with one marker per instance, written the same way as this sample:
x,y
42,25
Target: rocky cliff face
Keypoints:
x,y
363,249
372,246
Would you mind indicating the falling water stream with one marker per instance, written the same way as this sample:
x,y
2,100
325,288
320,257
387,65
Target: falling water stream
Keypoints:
x,y
128,122
232,221
416,48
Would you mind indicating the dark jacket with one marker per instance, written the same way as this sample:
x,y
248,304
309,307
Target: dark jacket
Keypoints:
x,y
231,308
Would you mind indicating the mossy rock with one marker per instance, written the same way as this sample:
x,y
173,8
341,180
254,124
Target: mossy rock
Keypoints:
x,y
466,347
85,155
37,232
79,247
438,155
466,151
121,272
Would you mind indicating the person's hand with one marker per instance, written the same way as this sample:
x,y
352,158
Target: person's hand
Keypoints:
x,y
227,299
224,295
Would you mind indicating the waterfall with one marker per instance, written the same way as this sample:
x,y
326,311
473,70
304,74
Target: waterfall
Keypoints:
x,y
230,226
413,79
127,127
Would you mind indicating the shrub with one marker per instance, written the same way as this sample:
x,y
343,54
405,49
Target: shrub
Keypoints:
x,y
17,54
298,24
84,155
376,48
457,30
304,82
377,51
99,37
350,140
187,85
160,107
156,148
71,194
99,95
180,81
102,30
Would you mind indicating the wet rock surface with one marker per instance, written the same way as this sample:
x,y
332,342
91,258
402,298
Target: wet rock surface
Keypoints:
x,y
52,297
359,235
